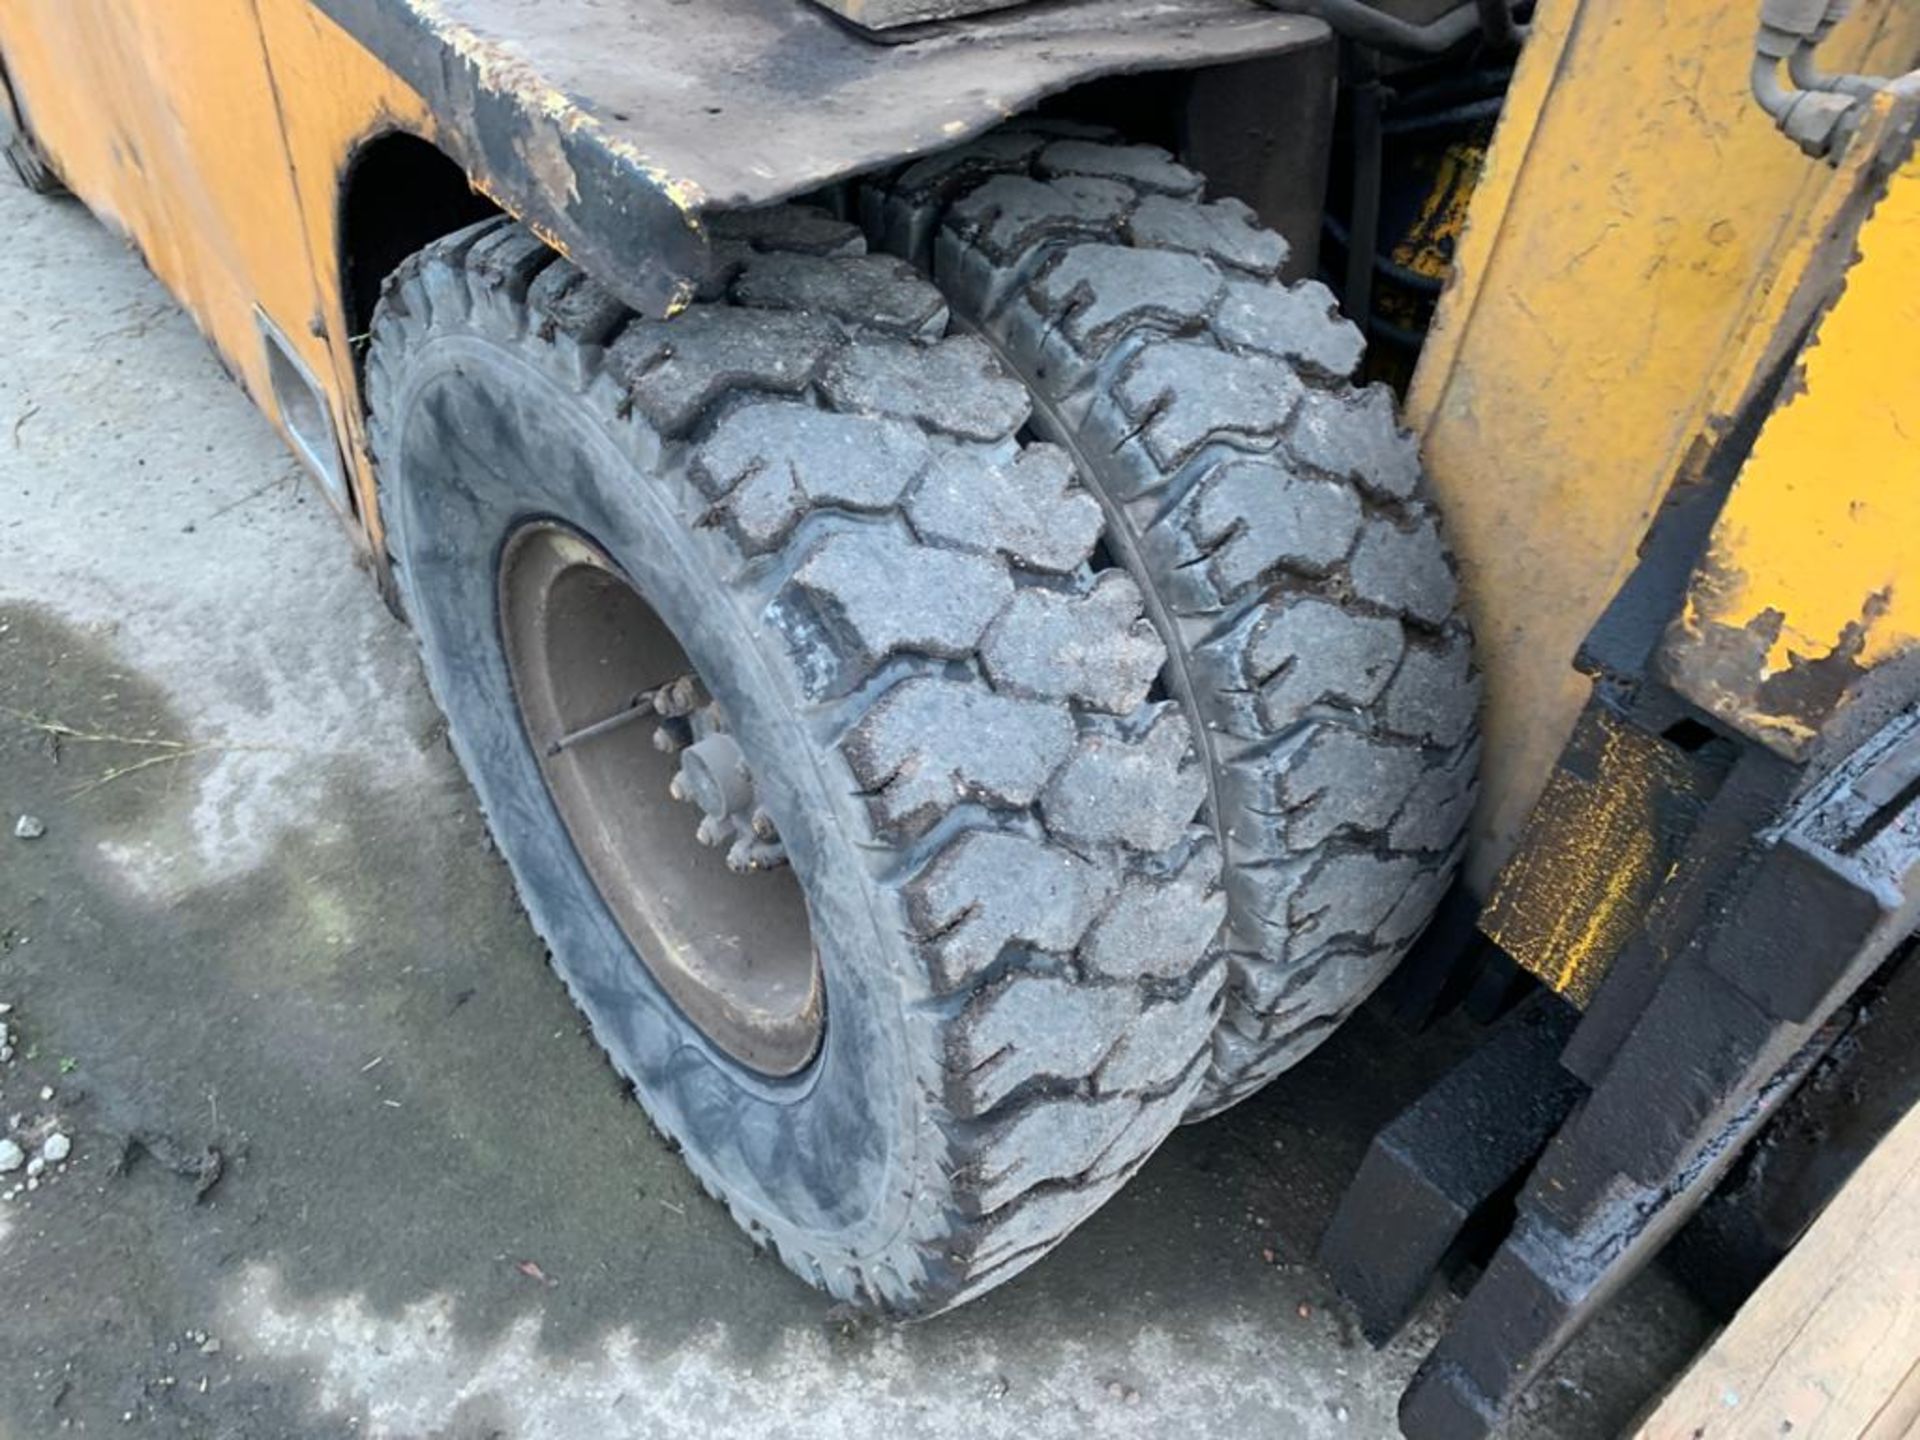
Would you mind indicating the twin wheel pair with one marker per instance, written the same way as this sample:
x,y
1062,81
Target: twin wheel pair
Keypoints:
x,y
1054,648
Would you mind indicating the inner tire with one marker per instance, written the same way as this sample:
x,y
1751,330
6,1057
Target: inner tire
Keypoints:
x,y
819,501
1274,515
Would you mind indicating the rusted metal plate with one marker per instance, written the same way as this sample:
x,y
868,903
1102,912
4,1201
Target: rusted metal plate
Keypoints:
x,y
611,127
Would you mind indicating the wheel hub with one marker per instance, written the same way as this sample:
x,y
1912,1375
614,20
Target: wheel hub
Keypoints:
x,y
726,936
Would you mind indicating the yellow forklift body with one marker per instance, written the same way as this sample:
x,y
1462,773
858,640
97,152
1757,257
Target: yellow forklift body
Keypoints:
x,y
1797,616
165,120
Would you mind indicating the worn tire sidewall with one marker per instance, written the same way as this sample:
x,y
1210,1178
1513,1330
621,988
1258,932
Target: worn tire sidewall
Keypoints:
x,y
483,441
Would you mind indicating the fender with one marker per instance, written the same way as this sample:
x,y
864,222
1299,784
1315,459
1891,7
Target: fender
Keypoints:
x,y
610,130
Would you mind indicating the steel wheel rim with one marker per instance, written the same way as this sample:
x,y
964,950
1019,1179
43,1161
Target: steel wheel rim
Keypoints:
x,y
734,952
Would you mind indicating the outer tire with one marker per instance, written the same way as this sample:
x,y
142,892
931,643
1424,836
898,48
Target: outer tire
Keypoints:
x,y
1275,516
891,597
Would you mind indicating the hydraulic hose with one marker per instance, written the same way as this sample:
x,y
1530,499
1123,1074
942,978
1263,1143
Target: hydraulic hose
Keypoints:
x,y
1775,98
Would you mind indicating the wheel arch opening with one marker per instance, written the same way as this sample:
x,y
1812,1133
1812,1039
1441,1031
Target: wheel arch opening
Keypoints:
x,y
398,193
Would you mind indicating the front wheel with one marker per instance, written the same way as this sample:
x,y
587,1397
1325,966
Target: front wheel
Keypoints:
x,y
822,756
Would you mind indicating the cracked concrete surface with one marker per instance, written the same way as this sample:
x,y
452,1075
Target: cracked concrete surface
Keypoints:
x,y
438,1213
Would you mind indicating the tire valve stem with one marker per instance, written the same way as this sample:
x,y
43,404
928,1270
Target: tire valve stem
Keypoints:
x,y
637,708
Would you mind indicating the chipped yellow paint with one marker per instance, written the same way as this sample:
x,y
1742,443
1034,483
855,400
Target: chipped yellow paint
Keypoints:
x,y
546,237
1625,263
1594,857
1816,555
501,70
687,197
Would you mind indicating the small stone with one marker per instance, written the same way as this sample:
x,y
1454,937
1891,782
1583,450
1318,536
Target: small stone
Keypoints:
x,y
6,1007
29,827
35,1167
210,1346
33,1182
46,1092
56,1148
12,1157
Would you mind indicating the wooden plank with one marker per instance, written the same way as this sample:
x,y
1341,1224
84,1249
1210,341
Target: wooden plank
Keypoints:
x,y
1829,1347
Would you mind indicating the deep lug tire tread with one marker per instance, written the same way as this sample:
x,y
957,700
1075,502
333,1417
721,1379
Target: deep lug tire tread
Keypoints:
x,y
810,417
1273,511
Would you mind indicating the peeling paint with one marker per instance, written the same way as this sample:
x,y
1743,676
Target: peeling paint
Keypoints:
x,y
1803,593
500,69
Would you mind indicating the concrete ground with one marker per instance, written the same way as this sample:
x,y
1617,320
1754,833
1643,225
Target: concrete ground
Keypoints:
x,y
344,1161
